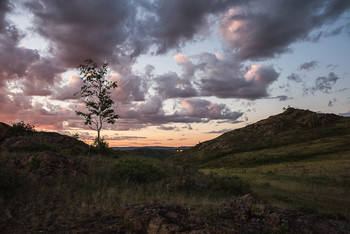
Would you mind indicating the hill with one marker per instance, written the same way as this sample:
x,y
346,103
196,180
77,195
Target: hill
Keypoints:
x,y
54,183
20,139
290,136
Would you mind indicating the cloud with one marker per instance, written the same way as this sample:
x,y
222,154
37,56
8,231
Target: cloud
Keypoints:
x,y
130,88
200,108
224,78
151,113
70,90
127,29
174,22
110,138
308,65
346,114
268,28
14,60
78,32
331,102
325,83
169,85
167,128
220,131
187,66
282,98
294,77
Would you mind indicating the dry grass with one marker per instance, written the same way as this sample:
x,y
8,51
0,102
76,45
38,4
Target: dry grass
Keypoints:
x,y
321,186
44,201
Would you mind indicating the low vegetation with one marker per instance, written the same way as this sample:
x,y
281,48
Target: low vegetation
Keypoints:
x,y
109,184
62,180
300,162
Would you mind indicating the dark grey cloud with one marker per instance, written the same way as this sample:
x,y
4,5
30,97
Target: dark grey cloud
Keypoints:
x,y
167,128
4,9
322,84
34,74
331,102
294,77
325,83
120,27
84,29
220,131
308,65
265,29
282,98
151,112
225,78
174,22
130,88
14,60
68,91
120,31
169,85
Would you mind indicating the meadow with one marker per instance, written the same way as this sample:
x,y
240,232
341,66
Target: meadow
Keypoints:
x,y
110,183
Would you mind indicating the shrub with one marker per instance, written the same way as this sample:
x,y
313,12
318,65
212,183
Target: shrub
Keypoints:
x,y
34,163
136,171
21,128
228,184
75,136
104,147
11,181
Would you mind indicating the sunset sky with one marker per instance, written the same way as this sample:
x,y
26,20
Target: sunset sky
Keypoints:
x,y
187,70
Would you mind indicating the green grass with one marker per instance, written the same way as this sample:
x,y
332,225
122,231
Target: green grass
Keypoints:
x,y
321,186
291,136
110,183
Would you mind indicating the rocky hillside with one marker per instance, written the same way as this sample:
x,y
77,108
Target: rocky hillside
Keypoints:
x,y
12,139
293,126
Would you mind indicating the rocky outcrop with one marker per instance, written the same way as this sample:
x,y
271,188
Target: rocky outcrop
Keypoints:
x,y
243,215
39,141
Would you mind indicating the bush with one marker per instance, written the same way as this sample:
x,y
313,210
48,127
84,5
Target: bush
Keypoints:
x,y
11,181
104,147
21,128
136,171
228,184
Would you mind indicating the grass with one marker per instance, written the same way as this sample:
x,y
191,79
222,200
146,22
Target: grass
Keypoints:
x,y
321,185
110,183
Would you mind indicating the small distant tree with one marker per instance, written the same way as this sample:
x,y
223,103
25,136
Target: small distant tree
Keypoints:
x,y
21,128
96,93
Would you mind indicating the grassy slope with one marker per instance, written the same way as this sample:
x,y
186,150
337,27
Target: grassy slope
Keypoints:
x,y
278,134
301,167
41,202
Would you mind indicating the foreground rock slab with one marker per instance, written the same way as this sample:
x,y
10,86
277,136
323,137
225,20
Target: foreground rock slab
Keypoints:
x,y
243,215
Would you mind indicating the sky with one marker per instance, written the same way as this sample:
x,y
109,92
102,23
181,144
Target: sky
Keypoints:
x,y
187,70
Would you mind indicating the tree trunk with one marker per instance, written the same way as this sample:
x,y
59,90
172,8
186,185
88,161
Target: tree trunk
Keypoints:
x,y
98,141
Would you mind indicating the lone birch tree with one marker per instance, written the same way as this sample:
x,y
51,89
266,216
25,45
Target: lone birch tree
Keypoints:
x,y
96,93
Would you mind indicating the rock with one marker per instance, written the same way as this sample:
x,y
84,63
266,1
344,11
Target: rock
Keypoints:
x,y
238,216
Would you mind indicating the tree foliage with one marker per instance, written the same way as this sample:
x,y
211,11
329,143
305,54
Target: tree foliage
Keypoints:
x,y
96,93
21,128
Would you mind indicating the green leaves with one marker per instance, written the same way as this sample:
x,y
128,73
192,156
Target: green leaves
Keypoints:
x,y
95,91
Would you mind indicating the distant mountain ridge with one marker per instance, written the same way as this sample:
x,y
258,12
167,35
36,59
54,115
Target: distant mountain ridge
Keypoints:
x,y
293,126
151,147
157,152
